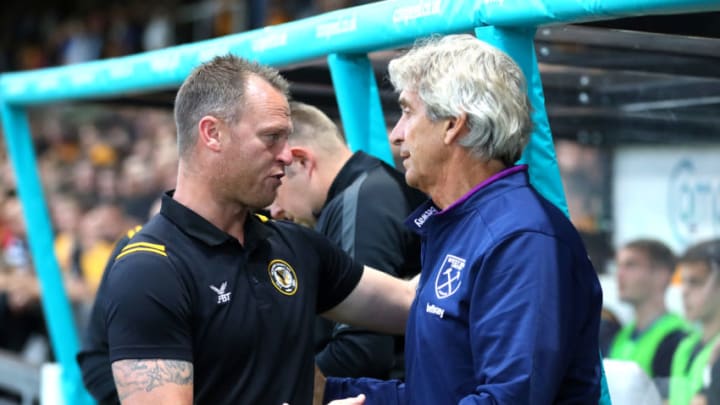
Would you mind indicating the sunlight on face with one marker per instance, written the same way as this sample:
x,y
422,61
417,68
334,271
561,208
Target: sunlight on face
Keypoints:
x,y
256,152
420,141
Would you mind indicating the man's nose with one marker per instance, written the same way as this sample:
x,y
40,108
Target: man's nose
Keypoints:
x,y
397,135
285,155
276,211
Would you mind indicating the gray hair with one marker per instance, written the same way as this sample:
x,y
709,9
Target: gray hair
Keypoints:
x,y
217,88
459,73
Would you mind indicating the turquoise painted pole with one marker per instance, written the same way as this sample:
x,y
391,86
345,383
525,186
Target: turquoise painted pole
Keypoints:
x,y
55,304
358,99
540,151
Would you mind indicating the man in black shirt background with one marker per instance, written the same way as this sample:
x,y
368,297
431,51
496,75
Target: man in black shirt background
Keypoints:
x,y
360,203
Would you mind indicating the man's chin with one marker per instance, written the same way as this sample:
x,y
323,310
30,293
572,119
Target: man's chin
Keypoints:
x,y
410,178
264,203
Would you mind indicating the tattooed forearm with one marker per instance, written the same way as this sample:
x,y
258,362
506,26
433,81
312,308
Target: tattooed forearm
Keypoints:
x,y
133,376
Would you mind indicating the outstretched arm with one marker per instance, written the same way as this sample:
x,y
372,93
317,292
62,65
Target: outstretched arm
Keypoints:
x,y
379,302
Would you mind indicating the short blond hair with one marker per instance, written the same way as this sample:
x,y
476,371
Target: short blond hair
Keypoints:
x,y
312,127
217,87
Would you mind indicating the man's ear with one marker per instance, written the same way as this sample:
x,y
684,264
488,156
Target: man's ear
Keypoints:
x,y
305,157
455,128
209,131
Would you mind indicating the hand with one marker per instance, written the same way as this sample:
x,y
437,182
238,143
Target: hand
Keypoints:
x,y
358,400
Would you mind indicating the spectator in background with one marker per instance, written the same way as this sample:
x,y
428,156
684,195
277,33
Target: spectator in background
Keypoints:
x,y
7,176
138,187
644,270
83,42
125,28
15,251
83,244
359,203
159,32
106,184
699,270
20,314
99,230
83,180
164,165
66,213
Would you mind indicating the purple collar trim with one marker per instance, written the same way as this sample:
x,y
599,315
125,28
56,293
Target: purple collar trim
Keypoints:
x,y
495,177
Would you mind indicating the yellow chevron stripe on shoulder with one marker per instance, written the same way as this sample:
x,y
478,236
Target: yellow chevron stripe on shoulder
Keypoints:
x,y
140,249
262,217
145,245
132,232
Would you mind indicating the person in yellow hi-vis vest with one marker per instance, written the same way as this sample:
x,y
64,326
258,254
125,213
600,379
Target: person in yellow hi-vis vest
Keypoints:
x,y
699,268
644,271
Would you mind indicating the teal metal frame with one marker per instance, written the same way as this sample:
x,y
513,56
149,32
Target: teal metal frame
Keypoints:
x,y
346,36
358,100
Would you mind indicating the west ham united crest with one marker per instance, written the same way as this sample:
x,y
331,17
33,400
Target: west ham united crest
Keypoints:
x,y
449,278
283,277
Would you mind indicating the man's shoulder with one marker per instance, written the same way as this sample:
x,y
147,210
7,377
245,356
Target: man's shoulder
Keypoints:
x,y
381,188
290,233
384,176
672,338
367,173
508,221
522,209
374,198
149,262
146,243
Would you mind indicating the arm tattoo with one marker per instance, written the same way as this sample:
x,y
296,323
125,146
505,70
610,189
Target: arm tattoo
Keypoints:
x,y
132,376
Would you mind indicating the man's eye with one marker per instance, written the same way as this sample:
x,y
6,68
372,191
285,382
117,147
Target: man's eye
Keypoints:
x,y
273,138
